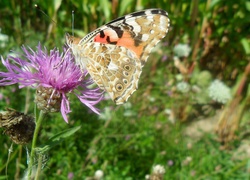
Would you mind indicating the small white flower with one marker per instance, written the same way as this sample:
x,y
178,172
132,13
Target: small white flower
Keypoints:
x,y
219,92
127,105
151,99
179,77
128,110
170,114
99,174
189,159
158,169
183,87
182,50
3,39
106,114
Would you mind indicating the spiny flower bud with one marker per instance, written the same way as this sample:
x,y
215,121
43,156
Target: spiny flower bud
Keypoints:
x,y
48,99
18,126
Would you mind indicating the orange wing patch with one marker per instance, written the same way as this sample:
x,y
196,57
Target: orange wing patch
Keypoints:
x,y
139,35
126,40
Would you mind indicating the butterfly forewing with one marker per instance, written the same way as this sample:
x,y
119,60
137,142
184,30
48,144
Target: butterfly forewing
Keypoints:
x,y
115,53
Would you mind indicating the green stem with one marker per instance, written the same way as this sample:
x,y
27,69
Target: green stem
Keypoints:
x,y
39,166
33,146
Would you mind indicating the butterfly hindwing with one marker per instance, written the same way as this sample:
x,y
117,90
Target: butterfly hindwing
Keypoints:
x,y
124,42
114,69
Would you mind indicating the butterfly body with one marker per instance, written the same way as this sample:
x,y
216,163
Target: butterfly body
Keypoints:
x,y
115,53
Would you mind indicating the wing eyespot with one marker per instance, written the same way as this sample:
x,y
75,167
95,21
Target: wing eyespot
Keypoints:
x,y
127,60
125,81
125,73
119,87
127,67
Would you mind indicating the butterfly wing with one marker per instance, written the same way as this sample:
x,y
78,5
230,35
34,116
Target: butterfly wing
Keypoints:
x,y
124,42
138,31
116,70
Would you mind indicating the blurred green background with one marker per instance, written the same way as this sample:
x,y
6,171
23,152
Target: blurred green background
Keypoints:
x,y
190,113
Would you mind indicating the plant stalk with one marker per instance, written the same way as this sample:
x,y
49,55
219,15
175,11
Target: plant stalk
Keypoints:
x,y
34,141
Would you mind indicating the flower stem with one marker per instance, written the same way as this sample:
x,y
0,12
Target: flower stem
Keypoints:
x,y
39,166
33,146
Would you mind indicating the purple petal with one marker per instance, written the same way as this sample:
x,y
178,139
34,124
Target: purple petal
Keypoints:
x,y
90,103
65,108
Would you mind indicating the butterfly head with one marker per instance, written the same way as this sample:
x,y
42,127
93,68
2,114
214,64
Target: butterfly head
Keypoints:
x,y
71,40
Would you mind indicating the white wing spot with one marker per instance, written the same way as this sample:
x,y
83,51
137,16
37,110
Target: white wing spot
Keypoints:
x,y
128,16
112,66
135,25
163,22
145,37
131,54
137,28
150,18
148,12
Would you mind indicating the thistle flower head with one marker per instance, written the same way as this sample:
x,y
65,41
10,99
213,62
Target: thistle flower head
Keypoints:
x,y
54,75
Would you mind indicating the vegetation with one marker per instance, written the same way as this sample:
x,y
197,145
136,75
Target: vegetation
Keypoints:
x,y
190,113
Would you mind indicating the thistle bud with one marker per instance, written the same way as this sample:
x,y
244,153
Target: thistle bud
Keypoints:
x,y
18,126
48,99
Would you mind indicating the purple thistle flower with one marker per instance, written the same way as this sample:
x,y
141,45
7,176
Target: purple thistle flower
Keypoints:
x,y
52,73
70,176
170,162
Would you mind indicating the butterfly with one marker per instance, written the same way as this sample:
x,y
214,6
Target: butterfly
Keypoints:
x,y
115,53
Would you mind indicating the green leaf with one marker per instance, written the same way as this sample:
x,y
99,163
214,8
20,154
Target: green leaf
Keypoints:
x,y
106,8
57,4
246,45
248,5
214,3
124,6
58,138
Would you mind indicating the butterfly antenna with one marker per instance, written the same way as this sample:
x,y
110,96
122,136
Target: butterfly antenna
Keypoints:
x,y
68,48
73,21
39,9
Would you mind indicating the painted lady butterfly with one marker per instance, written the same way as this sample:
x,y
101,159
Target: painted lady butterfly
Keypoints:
x,y
115,53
